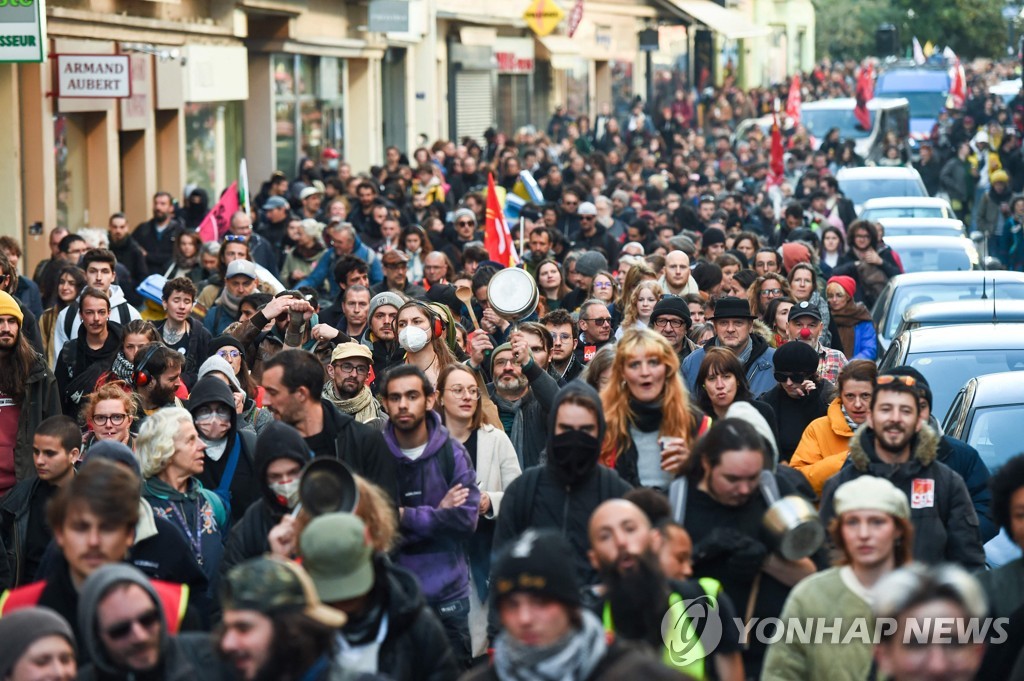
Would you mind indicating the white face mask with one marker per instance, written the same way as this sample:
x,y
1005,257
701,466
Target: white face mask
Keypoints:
x,y
286,492
413,339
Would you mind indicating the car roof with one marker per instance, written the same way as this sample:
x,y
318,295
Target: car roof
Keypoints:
x,y
914,79
965,277
952,223
850,103
877,173
906,202
927,241
1006,87
965,310
994,389
958,337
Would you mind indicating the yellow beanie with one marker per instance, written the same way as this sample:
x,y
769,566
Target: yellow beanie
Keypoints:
x,y
8,305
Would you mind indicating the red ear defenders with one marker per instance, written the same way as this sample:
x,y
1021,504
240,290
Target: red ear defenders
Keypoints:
x,y
437,324
141,377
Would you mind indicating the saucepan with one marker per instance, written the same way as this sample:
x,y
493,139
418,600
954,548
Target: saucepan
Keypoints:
x,y
512,293
327,486
791,520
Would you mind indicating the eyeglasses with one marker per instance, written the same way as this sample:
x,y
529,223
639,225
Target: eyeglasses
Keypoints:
x,y
229,354
561,337
208,414
507,362
348,368
600,321
886,379
236,237
460,391
771,292
662,322
115,419
783,376
146,620
602,284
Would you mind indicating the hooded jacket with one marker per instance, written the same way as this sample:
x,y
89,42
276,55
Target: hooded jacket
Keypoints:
x,y
945,523
324,270
248,538
186,657
432,538
759,367
243,488
120,312
823,446
79,366
541,498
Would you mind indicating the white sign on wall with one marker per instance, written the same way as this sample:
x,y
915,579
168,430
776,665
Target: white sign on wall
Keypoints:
x,y
96,76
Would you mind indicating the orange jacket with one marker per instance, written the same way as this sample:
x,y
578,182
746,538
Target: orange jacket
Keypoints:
x,y
823,448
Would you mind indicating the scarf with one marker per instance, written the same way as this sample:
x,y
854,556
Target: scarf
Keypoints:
x,y
846,320
123,369
229,302
746,352
362,407
515,408
849,422
571,659
646,415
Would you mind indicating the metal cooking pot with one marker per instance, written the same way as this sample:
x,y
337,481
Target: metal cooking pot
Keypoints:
x,y
327,486
792,521
512,293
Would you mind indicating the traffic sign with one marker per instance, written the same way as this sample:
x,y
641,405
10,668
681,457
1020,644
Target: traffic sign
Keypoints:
x,y
543,16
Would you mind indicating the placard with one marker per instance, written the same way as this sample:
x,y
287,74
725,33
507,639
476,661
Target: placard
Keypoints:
x,y
94,76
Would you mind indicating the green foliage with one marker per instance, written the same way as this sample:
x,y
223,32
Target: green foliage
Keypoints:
x,y
973,28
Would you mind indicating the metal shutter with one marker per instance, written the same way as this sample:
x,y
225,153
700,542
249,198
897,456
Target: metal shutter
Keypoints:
x,y
474,104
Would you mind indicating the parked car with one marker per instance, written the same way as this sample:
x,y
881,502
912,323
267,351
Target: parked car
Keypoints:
x,y
1006,90
949,356
986,414
905,290
861,184
921,253
906,207
921,226
962,312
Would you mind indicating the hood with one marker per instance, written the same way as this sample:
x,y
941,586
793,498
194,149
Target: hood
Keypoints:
x,y
88,599
437,435
220,365
575,389
116,296
276,441
762,331
924,449
210,390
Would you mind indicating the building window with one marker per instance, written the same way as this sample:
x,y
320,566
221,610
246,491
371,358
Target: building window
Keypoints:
x,y
213,143
69,147
308,108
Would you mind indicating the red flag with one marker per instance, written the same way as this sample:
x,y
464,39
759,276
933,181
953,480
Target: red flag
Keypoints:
x,y
958,87
497,237
776,168
865,93
575,17
793,100
216,222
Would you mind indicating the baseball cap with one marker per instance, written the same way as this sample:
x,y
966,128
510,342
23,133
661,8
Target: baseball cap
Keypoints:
x,y
348,350
586,208
236,267
308,192
270,585
338,556
275,202
804,309
537,562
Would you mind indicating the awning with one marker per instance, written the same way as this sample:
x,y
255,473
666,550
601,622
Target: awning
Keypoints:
x,y
507,13
729,22
562,51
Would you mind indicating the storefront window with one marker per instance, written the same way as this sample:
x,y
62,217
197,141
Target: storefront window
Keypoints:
x,y
513,109
622,87
69,148
577,88
671,64
213,138
307,119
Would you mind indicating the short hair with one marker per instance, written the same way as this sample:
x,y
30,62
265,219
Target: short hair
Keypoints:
x,y
590,302
538,329
559,317
92,292
164,194
653,503
256,299
114,390
475,254
158,359
358,288
9,244
347,264
404,371
858,370
898,385
299,369
64,429
180,285
142,327
65,244
1009,479
109,490
155,444
100,255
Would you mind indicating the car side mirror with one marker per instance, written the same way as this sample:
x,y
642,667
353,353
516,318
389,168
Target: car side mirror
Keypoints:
x,y
977,237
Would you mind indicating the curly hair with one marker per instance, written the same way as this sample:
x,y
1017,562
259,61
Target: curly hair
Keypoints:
x,y
1004,485
630,314
754,292
676,418
376,511
155,445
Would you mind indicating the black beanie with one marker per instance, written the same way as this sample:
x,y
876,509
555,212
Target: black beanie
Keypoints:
x,y
796,357
226,340
673,305
922,382
538,562
712,236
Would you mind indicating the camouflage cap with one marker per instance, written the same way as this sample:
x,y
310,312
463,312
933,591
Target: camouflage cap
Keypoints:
x,y
271,585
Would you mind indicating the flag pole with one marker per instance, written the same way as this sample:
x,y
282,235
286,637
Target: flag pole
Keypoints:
x,y
522,236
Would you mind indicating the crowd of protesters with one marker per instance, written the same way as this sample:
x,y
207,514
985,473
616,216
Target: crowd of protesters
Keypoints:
x,y
516,498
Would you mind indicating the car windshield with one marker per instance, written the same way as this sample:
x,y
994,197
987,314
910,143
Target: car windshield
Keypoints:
x,y
932,292
995,433
920,230
819,121
922,104
946,372
903,212
860,191
924,259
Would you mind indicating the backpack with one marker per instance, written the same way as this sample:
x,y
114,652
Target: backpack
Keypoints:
x,y
124,316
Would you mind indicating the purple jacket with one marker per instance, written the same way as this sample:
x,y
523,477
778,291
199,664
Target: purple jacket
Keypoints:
x,y
432,538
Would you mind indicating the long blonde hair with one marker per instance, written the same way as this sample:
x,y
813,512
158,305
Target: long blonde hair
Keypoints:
x,y
676,418
630,314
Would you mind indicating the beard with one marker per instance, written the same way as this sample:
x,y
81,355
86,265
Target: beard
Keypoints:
x,y
639,599
511,385
347,390
897,446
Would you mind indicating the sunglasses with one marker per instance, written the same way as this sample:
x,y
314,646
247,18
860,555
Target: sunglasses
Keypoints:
x,y
886,379
235,238
783,376
146,620
600,321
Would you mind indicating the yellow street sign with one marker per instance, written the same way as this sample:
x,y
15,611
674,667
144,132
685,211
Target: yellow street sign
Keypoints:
x,y
543,16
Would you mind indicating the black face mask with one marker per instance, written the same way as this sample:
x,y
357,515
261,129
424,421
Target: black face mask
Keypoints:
x,y
574,455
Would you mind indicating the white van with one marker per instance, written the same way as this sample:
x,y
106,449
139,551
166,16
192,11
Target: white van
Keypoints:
x,y
886,114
